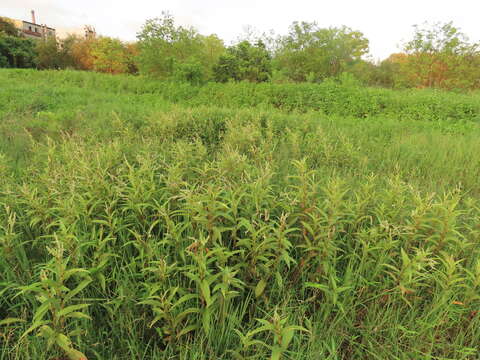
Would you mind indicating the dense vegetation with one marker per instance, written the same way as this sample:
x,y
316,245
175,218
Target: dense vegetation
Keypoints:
x,y
437,56
154,220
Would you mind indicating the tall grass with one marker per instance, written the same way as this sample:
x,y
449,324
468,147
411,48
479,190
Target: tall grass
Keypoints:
x,y
134,228
330,97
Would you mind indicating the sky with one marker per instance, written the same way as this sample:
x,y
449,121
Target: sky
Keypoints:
x,y
385,23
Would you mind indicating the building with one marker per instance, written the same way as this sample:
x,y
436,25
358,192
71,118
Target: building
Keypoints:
x,y
90,32
32,30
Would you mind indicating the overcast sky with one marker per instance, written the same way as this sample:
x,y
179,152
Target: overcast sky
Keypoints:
x,y
385,23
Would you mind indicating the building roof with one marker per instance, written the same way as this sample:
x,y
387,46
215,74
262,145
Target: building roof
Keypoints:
x,y
28,22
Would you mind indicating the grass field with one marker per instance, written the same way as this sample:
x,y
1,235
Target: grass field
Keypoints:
x,y
147,220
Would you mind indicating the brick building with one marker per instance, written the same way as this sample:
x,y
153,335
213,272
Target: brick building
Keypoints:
x,y
32,30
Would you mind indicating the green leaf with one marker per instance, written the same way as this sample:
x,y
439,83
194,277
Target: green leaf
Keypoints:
x,y
35,326
260,288
47,332
36,287
317,286
189,311
70,309
287,336
78,315
205,289
41,310
9,321
75,354
279,279
79,288
186,330
405,258
72,272
151,302
156,319
63,341
76,332
101,279
184,298
206,321
276,353
259,330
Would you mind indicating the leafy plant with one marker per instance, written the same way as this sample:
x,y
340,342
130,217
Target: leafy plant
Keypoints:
x,y
56,318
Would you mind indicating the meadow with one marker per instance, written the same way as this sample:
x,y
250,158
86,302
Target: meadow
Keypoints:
x,y
159,220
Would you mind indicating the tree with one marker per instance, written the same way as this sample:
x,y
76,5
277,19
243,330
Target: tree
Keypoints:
x,y
102,54
244,61
212,48
111,56
374,74
440,55
164,47
82,54
7,27
309,51
47,54
162,44
16,52
439,38
54,54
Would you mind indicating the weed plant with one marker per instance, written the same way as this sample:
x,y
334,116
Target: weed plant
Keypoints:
x,y
137,226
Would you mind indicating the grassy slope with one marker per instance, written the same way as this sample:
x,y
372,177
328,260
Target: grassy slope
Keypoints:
x,y
372,196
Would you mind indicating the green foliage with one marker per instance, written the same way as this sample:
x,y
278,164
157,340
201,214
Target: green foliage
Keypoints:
x,y
381,74
165,47
439,38
212,48
244,61
440,55
332,97
282,336
111,56
309,51
53,317
191,73
148,220
53,54
16,52
7,27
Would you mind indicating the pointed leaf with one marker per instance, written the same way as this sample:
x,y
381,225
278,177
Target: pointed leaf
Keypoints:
x,y
9,321
77,290
276,353
70,309
260,288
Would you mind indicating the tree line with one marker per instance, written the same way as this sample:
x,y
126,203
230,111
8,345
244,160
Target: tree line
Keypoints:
x,y
438,55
